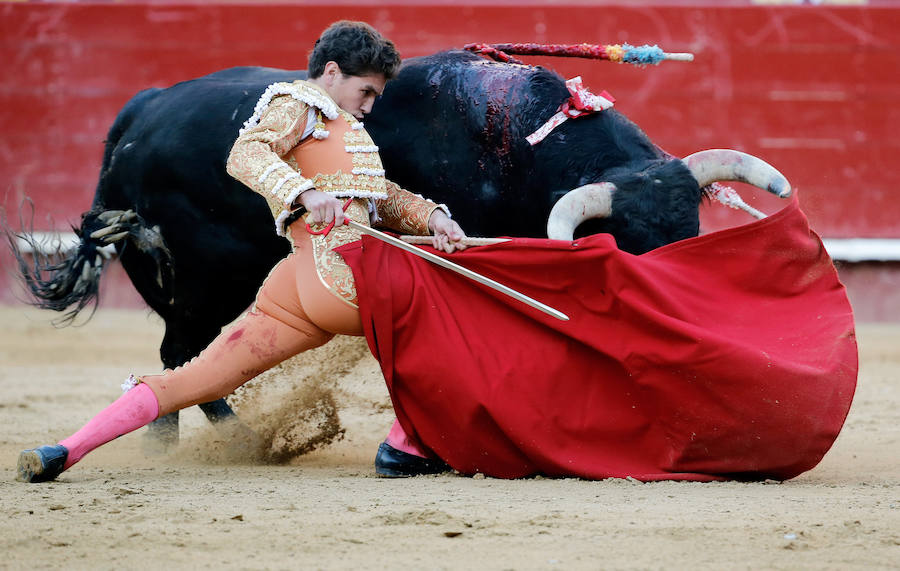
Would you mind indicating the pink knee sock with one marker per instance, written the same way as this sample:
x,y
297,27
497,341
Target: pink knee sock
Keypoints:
x,y
398,438
131,411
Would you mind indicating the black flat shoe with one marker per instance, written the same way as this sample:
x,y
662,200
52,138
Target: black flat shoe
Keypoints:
x,y
41,464
393,463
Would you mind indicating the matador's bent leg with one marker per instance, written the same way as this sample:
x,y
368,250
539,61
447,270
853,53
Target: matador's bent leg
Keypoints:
x,y
255,343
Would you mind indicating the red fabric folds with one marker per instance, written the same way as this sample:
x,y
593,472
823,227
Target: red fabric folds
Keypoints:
x,y
727,356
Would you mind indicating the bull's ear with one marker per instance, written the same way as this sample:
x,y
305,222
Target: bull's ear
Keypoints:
x,y
716,165
589,201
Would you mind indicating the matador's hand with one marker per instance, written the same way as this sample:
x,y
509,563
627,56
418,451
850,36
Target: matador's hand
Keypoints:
x,y
322,207
448,235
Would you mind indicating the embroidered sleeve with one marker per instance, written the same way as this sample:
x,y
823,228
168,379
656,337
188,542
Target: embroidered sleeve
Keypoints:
x,y
255,158
406,212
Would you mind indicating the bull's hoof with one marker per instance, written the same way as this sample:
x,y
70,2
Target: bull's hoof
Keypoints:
x,y
161,436
217,410
393,463
41,464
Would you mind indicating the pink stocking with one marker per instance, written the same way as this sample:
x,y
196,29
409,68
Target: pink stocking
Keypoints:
x,y
131,411
398,439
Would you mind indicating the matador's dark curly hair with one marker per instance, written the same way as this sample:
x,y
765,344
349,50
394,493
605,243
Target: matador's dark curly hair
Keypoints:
x,y
357,48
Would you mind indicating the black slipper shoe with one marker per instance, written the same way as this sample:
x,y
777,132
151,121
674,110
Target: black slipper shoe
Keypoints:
x,y
393,463
41,464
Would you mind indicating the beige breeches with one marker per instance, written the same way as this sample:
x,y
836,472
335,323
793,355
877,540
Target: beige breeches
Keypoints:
x,y
294,312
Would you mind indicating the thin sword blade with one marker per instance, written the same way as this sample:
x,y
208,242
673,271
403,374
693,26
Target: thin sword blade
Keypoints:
x,y
460,270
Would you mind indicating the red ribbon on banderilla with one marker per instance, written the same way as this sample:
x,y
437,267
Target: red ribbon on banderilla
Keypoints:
x,y
580,102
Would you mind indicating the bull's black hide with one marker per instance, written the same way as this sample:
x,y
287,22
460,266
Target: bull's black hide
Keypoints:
x,y
453,125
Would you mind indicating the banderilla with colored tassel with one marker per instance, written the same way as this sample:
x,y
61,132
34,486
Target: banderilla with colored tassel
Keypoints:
x,y
619,53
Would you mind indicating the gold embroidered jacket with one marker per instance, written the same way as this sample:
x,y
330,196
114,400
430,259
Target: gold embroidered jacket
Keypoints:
x,y
273,157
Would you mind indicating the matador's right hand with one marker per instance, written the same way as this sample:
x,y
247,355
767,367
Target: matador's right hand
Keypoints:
x,y
322,207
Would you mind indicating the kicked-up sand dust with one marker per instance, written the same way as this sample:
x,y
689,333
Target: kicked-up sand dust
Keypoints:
x,y
299,491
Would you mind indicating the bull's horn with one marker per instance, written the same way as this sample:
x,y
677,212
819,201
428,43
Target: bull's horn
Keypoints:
x,y
725,164
588,201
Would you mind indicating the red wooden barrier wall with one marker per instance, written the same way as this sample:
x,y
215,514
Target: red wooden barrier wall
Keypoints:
x,y
812,89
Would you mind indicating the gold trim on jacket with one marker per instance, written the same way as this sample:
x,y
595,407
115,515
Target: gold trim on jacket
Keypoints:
x,y
271,153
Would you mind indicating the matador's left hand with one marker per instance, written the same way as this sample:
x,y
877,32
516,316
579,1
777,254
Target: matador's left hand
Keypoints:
x,y
448,235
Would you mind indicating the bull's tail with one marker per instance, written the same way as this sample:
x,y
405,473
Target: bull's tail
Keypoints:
x,y
69,280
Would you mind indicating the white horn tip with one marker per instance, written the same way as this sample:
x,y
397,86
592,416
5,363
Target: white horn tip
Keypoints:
x,y
592,200
781,190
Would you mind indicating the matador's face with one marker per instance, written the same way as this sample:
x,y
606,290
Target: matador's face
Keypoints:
x,y
356,94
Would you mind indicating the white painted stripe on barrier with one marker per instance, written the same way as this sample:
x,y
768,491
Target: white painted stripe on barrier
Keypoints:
x,y
863,249
50,242
844,249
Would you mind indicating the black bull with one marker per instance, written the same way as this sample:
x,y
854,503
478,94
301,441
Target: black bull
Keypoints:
x,y
197,244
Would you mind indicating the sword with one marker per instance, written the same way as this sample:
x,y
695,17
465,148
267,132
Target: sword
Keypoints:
x,y
467,241
458,269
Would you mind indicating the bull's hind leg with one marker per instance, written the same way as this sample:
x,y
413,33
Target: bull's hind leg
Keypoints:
x,y
162,434
217,410
183,342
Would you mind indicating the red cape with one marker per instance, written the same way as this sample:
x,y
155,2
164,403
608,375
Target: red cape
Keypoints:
x,y
730,355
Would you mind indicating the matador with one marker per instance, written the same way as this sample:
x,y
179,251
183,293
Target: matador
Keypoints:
x,y
307,153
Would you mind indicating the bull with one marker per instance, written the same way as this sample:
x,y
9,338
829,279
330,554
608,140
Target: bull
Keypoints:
x,y
197,244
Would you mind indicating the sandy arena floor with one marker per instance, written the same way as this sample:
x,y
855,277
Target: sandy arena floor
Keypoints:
x,y
205,506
